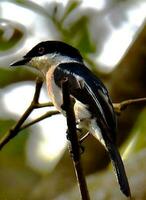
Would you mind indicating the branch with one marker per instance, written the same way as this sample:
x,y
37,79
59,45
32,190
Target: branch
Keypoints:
x,y
14,131
72,137
46,115
43,105
119,107
34,105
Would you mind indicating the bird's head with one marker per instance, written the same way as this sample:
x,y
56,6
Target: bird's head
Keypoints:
x,y
49,53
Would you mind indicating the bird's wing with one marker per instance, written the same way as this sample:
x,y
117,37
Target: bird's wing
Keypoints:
x,y
89,90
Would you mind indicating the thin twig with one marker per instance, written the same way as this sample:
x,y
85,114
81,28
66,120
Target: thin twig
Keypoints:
x,y
15,130
73,139
44,116
39,83
119,107
43,105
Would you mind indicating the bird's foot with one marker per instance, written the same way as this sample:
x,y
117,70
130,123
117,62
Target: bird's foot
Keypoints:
x,y
81,148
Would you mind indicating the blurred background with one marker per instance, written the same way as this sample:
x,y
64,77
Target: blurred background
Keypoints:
x,y
111,35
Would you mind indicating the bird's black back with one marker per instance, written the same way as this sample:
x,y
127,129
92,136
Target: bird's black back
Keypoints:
x,y
97,99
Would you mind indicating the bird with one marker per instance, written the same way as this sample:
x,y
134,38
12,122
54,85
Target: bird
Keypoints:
x,y
93,109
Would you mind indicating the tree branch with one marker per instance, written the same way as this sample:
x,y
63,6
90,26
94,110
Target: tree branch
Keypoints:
x,y
73,139
43,105
14,131
34,105
119,107
46,115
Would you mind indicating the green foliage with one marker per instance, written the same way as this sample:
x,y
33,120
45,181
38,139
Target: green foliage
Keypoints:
x,y
16,179
80,37
137,138
6,45
76,32
9,75
16,148
72,5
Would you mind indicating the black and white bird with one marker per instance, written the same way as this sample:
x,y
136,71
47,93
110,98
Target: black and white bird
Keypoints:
x,y
93,108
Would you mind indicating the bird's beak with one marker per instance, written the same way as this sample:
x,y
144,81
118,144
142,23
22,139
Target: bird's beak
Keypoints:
x,y
23,61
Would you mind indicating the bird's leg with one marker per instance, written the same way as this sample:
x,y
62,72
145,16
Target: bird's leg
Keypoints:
x,y
82,149
79,130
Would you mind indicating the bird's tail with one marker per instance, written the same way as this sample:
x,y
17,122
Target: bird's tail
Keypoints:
x,y
119,168
105,138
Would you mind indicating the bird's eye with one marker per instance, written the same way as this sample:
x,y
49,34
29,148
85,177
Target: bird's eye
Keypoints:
x,y
41,50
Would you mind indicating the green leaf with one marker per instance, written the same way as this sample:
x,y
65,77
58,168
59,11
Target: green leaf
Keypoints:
x,y
12,41
80,37
69,8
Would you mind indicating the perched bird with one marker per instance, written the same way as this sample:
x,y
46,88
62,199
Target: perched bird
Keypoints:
x,y
93,108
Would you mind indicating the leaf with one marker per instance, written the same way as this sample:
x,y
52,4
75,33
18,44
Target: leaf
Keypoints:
x,y
80,36
10,35
69,8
